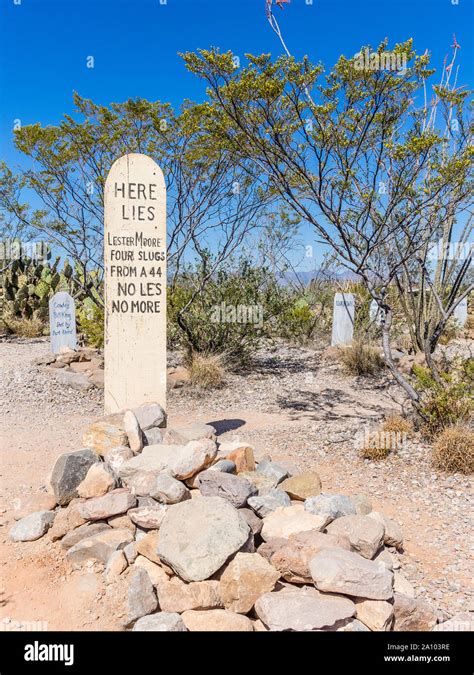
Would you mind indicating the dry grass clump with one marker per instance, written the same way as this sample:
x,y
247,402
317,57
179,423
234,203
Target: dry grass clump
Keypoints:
x,y
29,328
374,452
397,424
454,450
361,358
207,371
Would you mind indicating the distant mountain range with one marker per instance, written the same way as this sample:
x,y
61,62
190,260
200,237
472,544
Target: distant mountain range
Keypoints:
x,y
304,277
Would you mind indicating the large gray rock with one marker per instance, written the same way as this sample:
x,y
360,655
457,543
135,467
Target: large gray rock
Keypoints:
x,y
338,571
82,532
111,504
168,490
100,546
234,489
192,432
302,610
141,596
149,416
161,622
335,505
183,461
365,534
78,381
33,526
153,436
272,470
69,470
265,504
224,465
198,536
393,535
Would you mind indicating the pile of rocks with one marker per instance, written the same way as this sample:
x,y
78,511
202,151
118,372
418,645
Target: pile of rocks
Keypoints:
x,y
80,369
202,537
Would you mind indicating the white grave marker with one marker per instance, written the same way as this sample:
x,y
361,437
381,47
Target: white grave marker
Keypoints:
x,y
62,321
343,319
460,313
135,284
376,313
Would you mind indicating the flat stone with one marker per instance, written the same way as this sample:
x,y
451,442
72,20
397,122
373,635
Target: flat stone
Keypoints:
x,y
292,558
234,489
375,614
141,596
303,485
385,558
272,500
168,490
192,432
156,573
44,360
33,526
38,501
402,585
302,610
335,505
106,434
353,626
149,517
122,521
262,482
413,614
365,534
176,596
67,519
254,522
338,571
77,381
82,532
198,536
224,465
99,480
133,431
216,620
393,535
182,461
244,580
149,416
69,471
111,504
241,454
362,503
147,546
272,470
161,622
288,520
99,547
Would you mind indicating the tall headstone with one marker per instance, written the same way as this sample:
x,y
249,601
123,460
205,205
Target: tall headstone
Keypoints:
x,y
62,321
343,319
460,313
135,284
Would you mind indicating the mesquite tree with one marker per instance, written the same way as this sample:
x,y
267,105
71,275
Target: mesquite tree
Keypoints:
x,y
349,153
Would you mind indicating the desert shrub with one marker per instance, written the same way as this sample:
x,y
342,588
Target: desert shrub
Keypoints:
x,y
454,450
373,449
23,327
232,313
207,371
446,402
397,424
360,358
90,319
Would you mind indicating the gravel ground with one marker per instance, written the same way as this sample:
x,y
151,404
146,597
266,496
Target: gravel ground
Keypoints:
x,y
293,404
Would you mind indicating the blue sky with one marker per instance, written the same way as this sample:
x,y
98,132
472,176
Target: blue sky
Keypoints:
x,y
135,45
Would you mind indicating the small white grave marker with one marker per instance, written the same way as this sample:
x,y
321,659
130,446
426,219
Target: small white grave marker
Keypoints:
x,y
343,319
62,322
460,313
376,313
